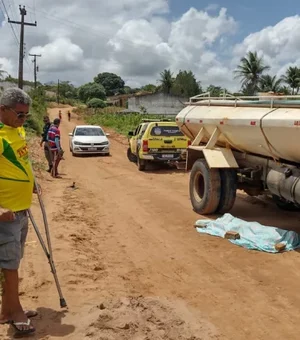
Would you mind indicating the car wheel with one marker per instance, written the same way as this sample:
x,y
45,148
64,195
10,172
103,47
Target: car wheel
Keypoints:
x,y
131,156
141,163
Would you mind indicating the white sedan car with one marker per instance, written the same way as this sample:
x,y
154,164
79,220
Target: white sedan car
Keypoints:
x,y
89,139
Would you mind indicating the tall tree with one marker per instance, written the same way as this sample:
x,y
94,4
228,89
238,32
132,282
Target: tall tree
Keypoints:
x,y
167,81
269,83
292,78
250,70
216,91
185,84
149,88
91,90
112,83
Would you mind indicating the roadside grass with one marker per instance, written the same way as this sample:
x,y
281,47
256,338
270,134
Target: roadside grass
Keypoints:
x,y
120,122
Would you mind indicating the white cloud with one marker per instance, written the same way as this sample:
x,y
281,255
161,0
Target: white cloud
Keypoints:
x,y
279,45
211,7
135,39
60,55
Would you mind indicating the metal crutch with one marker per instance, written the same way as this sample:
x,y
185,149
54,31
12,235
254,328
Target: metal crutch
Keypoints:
x,y
48,251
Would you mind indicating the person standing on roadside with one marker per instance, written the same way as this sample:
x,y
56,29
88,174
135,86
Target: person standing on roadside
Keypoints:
x,y
59,115
16,190
44,141
69,115
55,146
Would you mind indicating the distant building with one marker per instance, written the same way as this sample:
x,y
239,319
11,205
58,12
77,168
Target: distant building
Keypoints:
x,y
157,103
121,100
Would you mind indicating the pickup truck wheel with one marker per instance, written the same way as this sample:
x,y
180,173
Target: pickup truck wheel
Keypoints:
x,y
141,163
228,190
131,156
205,188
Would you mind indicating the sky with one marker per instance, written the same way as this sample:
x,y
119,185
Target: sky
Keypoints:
x,y
138,39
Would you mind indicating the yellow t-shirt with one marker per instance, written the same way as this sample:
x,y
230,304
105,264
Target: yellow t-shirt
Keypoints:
x,y
16,177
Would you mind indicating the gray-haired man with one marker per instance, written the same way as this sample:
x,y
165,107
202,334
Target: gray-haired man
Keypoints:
x,y
16,189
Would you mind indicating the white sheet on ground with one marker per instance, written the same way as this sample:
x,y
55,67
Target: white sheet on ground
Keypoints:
x,y
253,234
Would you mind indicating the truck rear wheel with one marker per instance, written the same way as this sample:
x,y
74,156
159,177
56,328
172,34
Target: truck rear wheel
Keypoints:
x,y
205,188
285,205
228,190
131,156
141,163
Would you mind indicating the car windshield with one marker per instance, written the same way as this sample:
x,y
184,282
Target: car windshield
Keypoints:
x,y
89,132
166,131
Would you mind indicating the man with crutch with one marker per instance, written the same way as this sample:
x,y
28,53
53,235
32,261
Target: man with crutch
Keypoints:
x,y
16,189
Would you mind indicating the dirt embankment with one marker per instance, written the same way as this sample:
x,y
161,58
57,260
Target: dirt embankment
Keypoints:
x,y
132,267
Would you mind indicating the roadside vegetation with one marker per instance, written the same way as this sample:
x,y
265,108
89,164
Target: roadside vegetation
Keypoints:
x,y
122,123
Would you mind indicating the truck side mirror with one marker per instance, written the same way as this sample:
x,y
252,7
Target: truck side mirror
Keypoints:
x,y
130,133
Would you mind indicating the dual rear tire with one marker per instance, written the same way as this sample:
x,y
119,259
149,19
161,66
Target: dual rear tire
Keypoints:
x,y
212,191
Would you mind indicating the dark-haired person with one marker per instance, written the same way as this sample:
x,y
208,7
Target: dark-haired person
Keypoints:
x,y
55,146
44,141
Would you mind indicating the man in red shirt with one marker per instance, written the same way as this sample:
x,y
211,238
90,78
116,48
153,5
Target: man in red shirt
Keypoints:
x,y
55,145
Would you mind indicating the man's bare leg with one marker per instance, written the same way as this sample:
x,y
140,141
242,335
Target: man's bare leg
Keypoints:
x,y
11,306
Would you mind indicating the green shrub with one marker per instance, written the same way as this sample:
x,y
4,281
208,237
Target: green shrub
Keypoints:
x,y
96,103
38,110
121,123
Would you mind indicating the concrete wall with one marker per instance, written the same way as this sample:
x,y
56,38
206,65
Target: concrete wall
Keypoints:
x,y
158,103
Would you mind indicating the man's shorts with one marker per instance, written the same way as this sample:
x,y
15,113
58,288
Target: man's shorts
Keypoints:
x,y
12,241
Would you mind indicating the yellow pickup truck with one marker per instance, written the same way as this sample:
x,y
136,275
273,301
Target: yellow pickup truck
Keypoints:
x,y
158,141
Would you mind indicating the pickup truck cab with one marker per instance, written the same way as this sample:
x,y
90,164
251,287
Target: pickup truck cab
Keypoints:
x,y
157,141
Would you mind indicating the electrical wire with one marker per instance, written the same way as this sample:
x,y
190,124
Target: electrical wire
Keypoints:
x,y
12,27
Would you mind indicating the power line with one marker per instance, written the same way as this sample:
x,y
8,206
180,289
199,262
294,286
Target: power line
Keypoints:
x,y
21,53
79,26
12,27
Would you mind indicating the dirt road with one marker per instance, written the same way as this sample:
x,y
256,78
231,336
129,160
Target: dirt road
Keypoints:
x,y
132,266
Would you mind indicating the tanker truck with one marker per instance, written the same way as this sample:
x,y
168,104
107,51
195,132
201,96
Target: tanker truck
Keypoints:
x,y
242,143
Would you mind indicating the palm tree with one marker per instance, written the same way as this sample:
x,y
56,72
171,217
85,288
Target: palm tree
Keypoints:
x,y
166,81
292,78
268,83
250,70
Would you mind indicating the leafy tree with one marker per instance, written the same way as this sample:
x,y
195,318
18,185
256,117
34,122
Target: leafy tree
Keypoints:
x,y
284,90
185,84
67,90
292,78
91,90
216,91
96,103
166,81
112,83
250,70
149,88
269,83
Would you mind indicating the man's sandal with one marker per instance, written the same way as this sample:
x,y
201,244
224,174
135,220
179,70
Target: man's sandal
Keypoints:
x,y
28,313
21,332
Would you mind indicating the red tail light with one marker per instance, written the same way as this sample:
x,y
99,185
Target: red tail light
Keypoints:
x,y
189,142
145,145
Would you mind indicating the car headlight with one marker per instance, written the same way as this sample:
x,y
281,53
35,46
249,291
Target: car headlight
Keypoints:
x,y
105,143
78,143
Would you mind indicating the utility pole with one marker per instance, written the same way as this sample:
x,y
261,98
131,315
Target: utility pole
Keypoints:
x,y
58,91
35,67
21,55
